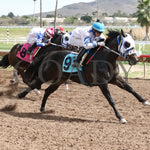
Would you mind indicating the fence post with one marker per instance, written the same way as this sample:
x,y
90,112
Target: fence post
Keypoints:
x,y
7,35
144,70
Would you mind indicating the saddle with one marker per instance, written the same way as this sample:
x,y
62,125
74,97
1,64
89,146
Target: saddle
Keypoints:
x,y
23,55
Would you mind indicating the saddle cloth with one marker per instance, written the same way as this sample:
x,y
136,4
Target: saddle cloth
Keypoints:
x,y
23,55
67,63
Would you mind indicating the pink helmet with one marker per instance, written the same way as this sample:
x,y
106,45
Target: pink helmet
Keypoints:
x,y
49,32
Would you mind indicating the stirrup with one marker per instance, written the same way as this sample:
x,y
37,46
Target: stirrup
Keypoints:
x,y
76,64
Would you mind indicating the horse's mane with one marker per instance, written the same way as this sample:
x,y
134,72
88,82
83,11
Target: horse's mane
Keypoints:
x,y
112,34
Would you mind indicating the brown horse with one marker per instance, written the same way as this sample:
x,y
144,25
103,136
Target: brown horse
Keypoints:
x,y
19,65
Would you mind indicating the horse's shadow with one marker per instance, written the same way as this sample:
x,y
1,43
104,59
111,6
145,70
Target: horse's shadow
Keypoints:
x,y
42,116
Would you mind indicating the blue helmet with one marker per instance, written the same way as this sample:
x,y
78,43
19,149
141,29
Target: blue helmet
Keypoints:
x,y
98,26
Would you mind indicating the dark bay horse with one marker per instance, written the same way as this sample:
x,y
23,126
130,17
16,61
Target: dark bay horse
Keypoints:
x,y
102,70
19,65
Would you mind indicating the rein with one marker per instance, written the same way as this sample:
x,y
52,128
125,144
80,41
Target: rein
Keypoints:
x,y
93,55
57,45
99,49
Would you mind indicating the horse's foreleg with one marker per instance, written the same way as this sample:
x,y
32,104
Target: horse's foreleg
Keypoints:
x,y
105,91
53,87
120,82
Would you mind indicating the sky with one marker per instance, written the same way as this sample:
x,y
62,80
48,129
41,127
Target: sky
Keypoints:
x,y
26,7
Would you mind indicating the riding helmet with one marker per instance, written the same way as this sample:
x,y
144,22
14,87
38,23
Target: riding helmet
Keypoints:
x,y
98,26
49,32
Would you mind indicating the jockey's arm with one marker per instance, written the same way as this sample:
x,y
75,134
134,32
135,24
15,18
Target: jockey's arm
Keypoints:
x,y
48,41
39,41
99,41
88,44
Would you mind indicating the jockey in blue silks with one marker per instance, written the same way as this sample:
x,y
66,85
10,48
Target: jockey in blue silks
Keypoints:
x,y
87,38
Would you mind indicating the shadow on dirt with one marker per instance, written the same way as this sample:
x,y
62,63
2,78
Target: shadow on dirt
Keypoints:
x,y
44,116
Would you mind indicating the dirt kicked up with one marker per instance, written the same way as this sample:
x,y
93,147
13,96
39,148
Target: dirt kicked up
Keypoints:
x,y
76,119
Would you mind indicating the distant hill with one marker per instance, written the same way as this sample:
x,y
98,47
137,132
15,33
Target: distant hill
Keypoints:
x,y
105,6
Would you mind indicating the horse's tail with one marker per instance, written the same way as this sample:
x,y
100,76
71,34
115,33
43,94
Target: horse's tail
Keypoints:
x,y
4,62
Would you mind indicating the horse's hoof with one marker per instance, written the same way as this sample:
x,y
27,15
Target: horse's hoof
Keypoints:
x,y
146,103
12,81
123,121
42,109
20,95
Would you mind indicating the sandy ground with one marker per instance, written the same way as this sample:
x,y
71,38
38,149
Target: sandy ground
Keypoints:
x,y
76,119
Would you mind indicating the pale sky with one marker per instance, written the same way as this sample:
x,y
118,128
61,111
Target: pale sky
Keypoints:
x,y
26,7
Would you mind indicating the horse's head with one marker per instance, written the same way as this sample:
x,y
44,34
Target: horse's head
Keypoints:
x,y
126,47
58,36
122,43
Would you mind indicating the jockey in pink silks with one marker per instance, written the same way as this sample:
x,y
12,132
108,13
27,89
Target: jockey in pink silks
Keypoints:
x,y
39,37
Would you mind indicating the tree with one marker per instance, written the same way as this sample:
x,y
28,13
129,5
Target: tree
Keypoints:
x,y
86,18
11,15
143,15
70,20
49,16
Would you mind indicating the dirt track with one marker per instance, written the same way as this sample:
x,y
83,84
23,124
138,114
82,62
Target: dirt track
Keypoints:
x,y
74,121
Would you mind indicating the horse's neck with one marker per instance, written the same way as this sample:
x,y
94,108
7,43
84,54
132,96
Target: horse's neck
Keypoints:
x,y
57,39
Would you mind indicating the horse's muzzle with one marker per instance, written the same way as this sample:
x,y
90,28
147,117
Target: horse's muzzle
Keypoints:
x,y
132,59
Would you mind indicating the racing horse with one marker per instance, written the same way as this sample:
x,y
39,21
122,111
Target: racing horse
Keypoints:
x,y
99,71
19,65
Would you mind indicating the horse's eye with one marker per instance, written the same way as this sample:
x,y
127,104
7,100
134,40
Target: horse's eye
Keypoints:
x,y
126,44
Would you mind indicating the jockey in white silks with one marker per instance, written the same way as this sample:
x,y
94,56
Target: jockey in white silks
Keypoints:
x,y
87,38
39,37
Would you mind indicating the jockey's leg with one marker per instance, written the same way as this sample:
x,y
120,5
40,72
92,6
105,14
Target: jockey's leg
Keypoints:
x,y
31,48
77,60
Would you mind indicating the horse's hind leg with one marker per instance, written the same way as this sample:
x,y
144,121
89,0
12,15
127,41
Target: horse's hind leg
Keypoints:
x,y
53,87
120,82
105,91
15,76
36,84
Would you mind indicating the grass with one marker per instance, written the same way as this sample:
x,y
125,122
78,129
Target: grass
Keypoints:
x,y
137,74
14,32
5,46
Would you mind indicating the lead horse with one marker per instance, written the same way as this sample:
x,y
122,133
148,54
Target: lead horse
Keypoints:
x,y
100,71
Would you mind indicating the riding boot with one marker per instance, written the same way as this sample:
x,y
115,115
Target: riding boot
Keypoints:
x,y
77,60
31,48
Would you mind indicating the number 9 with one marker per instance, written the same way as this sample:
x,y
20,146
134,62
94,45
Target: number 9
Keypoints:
x,y
67,63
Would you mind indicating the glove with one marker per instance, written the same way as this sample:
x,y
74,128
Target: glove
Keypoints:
x,y
101,43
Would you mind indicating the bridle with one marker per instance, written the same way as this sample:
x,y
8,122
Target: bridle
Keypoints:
x,y
128,51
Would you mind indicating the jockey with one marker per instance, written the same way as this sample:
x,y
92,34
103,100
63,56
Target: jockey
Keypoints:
x,y
87,38
39,37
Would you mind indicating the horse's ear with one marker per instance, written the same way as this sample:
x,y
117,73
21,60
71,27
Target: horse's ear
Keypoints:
x,y
122,33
